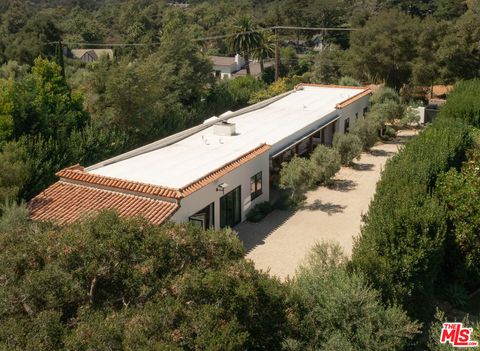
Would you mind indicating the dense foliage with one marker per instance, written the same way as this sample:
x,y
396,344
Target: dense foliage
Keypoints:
x,y
418,239
117,284
111,283
402,242
340,311
349,146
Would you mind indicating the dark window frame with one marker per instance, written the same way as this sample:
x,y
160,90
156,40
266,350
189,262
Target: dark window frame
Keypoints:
x,y
346,126
256,180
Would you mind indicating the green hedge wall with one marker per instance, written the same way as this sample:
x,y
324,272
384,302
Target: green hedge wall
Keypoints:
x,y
402,242
464,103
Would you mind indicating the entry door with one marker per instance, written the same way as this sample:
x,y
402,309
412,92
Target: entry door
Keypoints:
x,y
230,210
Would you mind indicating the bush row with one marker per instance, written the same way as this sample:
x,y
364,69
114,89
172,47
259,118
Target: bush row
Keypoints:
x,y
402,243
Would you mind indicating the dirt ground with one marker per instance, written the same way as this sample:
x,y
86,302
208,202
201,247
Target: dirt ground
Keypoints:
x,y
280,242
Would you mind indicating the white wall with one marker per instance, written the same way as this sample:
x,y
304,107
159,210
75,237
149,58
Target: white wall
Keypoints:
x,y
349,112
240,176
225,71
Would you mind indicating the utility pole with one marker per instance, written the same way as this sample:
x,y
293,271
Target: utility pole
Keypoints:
x,y
277,56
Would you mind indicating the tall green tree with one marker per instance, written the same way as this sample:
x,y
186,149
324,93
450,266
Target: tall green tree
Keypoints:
x,y
246,39
459,51
36,38
108,283
384,49
41,103
264,51
59,57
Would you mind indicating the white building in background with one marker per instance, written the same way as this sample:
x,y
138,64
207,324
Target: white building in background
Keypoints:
x,y
91,55
230,67
211,174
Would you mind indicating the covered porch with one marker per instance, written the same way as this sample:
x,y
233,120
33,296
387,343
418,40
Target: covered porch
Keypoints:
x,y
302,146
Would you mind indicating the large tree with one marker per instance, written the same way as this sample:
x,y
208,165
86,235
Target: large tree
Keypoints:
x,y
384,49
113,284
41,103
459,51
245,40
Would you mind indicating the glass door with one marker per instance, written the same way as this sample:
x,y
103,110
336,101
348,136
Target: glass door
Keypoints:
x,y
230,210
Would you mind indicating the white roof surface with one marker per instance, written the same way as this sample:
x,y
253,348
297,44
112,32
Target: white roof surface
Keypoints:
x,y
188,160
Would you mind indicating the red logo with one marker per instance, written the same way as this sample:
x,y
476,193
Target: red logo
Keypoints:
x,y
457,335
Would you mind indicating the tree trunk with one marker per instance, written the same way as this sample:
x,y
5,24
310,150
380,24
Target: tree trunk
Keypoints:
x,y
262,67
247,63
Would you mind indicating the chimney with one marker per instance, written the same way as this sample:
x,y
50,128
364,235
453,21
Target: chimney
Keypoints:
x,y
239,61
224,129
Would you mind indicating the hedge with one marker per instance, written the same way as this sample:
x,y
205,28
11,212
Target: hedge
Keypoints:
x,y
402,242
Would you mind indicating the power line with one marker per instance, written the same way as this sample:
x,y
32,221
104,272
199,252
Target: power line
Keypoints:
x,y
216,37
316,28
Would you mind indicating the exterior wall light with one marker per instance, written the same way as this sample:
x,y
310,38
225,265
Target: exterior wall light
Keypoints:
x,y
221,187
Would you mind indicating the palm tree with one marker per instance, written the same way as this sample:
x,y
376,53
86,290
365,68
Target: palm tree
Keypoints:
x,y
264,50
245,40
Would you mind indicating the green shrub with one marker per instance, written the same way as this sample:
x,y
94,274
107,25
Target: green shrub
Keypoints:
x,y
13,171
402,243
389,133
349,146
127,284
348,81
459,192
464,103
410,116
367,131
326,162
384,94
259,211
297,176
341,311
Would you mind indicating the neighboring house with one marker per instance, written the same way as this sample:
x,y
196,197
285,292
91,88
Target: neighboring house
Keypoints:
x,y
225,67
231,67
211,174
90,55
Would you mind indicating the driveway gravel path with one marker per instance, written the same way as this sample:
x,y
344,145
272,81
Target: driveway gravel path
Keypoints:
x,y
280,242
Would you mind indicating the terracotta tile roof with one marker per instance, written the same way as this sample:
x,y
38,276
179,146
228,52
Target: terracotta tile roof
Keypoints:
x,y
327,86
79,193
224,170
65,203
365,91
78,174
353,99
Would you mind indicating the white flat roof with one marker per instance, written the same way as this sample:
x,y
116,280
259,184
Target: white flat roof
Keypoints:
x,y
186,161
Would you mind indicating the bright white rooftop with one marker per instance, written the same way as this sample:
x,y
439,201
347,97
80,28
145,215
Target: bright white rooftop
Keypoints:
x,y
186,161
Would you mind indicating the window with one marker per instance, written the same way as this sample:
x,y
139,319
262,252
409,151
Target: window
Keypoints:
x,y
204,218
346,126
356,116
365,110
256,186
230,209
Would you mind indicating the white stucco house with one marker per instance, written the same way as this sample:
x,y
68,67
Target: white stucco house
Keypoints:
x,y
225,67
211,174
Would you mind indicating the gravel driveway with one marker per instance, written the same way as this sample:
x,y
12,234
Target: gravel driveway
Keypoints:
x,y
279,243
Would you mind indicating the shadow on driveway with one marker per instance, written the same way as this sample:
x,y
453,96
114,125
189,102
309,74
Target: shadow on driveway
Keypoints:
x,y
343,185
327,207
254,234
